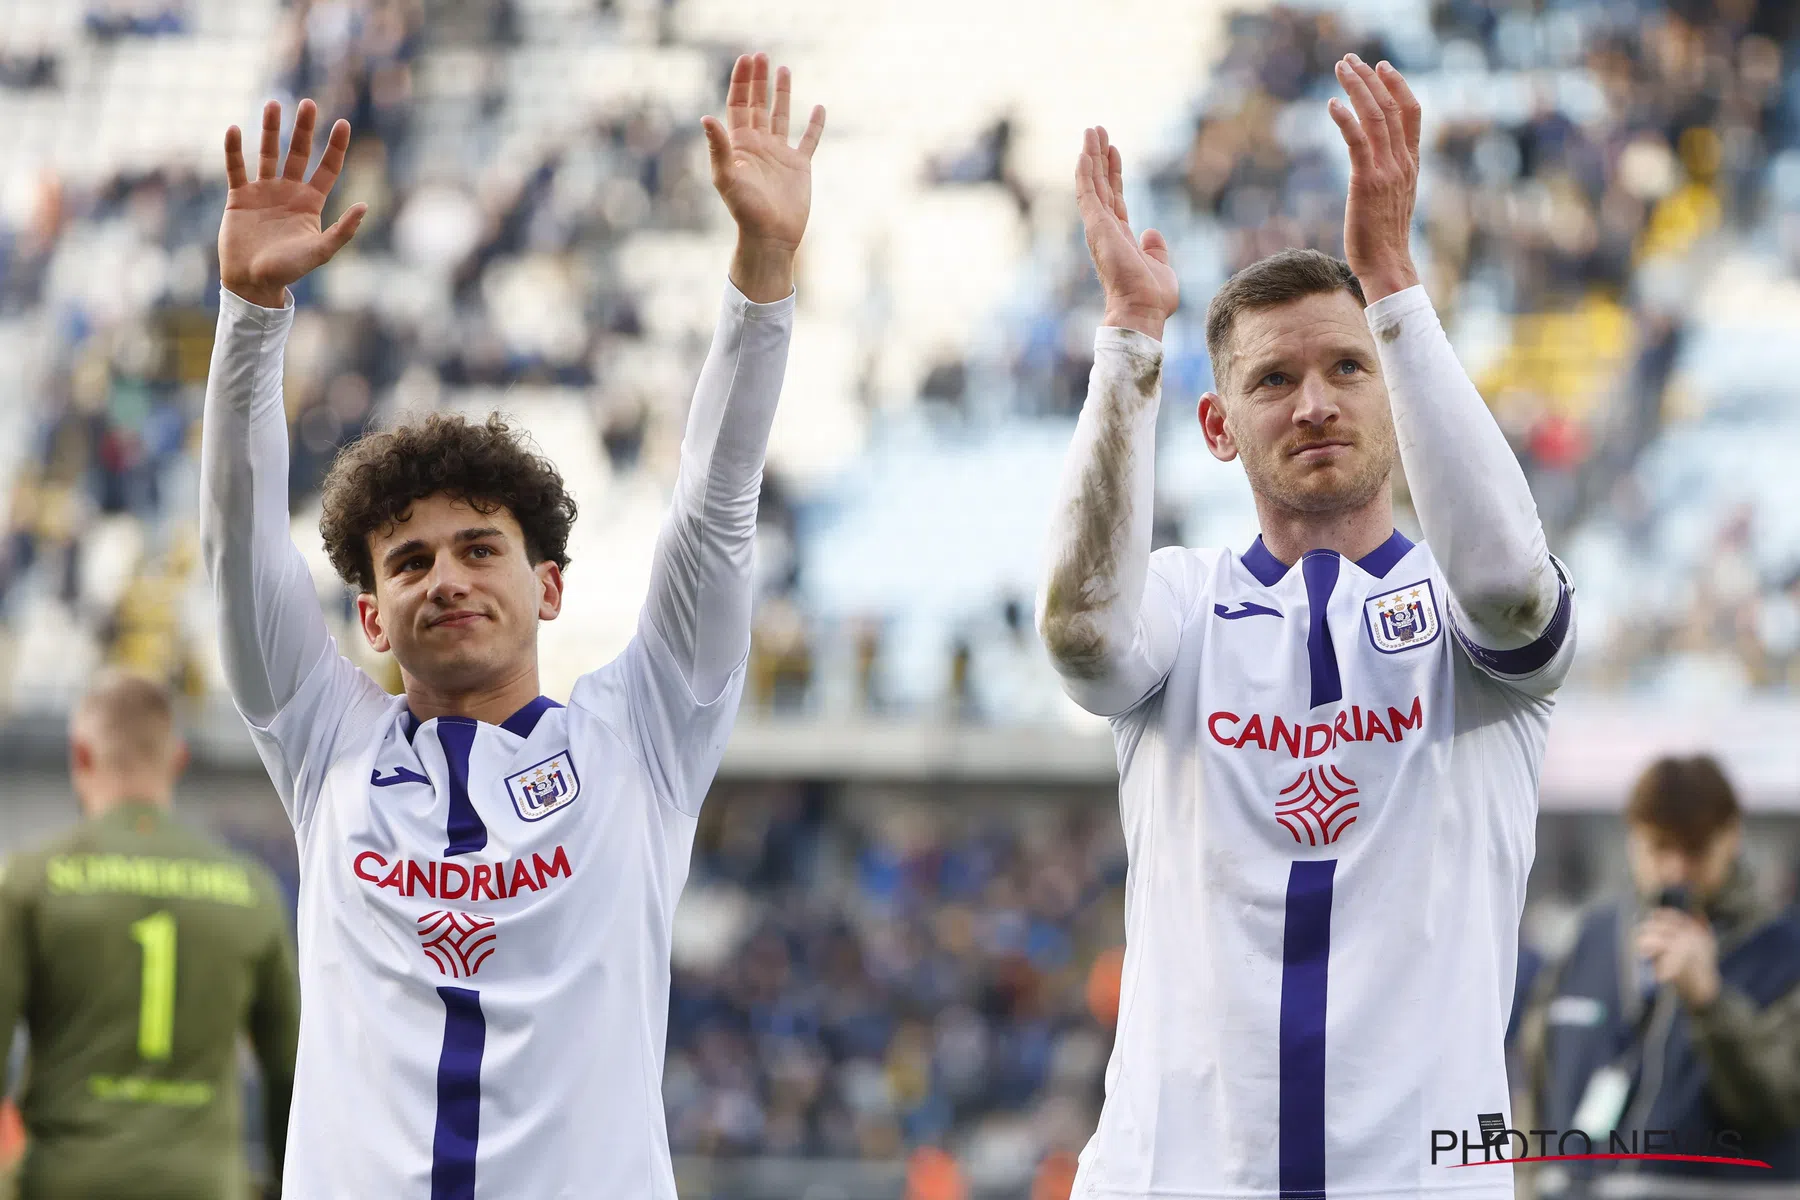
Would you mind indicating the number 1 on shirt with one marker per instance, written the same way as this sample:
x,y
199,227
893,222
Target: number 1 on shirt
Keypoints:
x,y
156,1002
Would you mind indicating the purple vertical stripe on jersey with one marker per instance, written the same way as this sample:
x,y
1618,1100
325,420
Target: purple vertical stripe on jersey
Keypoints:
x,y
1305,953
1320,569
467,834
526,719
458,1096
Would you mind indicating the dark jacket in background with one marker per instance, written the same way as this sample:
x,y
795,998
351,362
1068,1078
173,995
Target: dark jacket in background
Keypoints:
x,y
1733,1065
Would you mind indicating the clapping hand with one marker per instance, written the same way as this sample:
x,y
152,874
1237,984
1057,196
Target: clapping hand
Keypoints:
x,y
1380,126
1140,285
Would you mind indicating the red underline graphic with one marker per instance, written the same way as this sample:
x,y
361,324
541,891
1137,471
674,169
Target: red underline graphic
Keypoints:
x,y
1697,1158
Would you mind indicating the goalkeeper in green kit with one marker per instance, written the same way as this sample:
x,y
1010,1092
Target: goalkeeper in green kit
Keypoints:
x,y
137,950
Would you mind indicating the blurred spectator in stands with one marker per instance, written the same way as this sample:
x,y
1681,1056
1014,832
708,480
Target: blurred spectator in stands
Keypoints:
x,y
23,70
110,19
989,160
849,984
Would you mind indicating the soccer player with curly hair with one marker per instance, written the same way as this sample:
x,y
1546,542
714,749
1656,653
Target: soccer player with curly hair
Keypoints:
x,y
487,877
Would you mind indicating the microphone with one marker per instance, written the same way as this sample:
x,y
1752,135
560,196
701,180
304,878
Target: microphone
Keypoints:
x,y
1675,896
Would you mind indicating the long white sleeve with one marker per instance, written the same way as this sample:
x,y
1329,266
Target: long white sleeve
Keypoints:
x,y
299,696
674,692
700,581
272,633
1474,506
1110,622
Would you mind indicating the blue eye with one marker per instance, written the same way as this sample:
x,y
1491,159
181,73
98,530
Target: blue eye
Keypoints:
x,y
1274,379
1352,367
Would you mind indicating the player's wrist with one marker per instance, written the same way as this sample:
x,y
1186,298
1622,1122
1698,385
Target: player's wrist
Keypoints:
x,y
763,269
262,295
1146,321
1382,280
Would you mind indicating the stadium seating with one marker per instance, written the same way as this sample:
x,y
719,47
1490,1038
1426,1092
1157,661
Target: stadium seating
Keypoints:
x,y
1610,225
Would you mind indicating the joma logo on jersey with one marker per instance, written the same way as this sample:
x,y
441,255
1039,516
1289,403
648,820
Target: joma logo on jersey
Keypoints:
x,y
540,790
1300,740
452,880
1403,619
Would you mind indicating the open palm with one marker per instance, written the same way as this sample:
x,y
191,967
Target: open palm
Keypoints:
x,y
271,234
1135,273
766,184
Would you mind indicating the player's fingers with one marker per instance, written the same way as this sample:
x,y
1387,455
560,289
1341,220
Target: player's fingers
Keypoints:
x,y
268,160
1087,191
784,88
1352,130
234,158
1115,179
759,90
737,96
300,144
1386,101
1097,147
815,129
331,163
1094,162
1368,109
1412,113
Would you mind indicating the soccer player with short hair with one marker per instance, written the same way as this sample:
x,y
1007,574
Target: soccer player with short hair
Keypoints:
x,y
487,877
1328,743
139,951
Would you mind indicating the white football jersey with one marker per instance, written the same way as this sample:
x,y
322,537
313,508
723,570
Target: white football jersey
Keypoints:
x,y
1329,806
484,930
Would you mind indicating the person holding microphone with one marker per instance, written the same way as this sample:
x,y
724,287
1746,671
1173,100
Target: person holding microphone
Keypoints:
x,y
1674,1022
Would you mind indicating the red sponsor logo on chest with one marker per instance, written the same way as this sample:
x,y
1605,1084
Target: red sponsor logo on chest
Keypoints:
x,y
1298,739
446,880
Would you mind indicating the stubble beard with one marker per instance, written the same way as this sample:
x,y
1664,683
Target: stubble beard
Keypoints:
x,y
1292,485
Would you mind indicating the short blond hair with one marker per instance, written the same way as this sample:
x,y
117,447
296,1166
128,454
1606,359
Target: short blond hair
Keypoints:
x,y
128,720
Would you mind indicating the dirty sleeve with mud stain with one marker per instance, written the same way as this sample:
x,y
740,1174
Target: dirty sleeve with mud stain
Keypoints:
x,y
1474,507
1110,646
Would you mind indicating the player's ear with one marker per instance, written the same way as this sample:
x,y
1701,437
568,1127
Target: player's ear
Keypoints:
x,y
81,754
550,590
1213,428
368,615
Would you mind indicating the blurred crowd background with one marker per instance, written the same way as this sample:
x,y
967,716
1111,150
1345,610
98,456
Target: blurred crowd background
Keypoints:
x,y
1609,224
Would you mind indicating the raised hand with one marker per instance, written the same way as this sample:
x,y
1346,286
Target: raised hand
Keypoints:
x,y
1140,285
1383,136
270,236
766,184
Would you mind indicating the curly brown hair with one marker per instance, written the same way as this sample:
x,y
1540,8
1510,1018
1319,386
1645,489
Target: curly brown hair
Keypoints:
x,y
375,480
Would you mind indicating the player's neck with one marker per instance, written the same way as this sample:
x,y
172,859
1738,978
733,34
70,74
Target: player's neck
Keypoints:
x,y
1353,533
491,704
102,802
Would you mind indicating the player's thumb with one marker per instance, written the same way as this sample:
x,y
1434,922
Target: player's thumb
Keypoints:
x,y
344,228
1154,246
718,143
